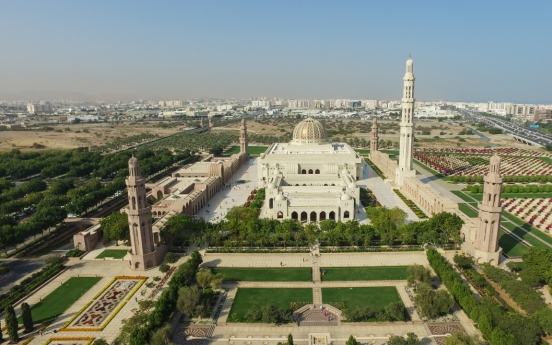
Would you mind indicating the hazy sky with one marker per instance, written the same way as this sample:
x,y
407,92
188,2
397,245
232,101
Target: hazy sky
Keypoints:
x,y
462,50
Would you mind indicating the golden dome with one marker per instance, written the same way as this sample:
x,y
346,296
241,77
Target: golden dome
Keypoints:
x,y
309,131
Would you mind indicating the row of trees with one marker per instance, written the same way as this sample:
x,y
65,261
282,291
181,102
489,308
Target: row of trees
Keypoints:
x,y
242,227
499,324
12,324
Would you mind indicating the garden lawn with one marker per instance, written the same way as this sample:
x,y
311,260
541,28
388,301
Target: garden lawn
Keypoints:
x,y
463,196
365,273
258,298
112,253
362,152
510,245
377,298
61,298
252,150
527,227
468,211
265,274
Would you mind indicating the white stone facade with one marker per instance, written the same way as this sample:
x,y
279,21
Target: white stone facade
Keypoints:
x,y
309,178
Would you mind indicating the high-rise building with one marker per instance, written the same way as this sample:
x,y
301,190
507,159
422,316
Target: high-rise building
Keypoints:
x,y
407,126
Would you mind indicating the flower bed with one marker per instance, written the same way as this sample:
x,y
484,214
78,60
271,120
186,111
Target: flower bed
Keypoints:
x,y
411,205
537,211
84,340
103,304
161,283
510,151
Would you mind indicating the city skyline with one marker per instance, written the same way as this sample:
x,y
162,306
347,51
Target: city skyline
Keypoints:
x,y
463,52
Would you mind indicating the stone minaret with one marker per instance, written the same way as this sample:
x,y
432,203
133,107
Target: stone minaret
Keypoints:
x,y
243,137
490,211
211,123
374,139
142,255
407,126
201,123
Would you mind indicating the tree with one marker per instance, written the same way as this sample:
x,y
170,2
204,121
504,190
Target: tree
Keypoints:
x,y
431,302
206,278
100,341
290,339
11,324
115,227
462,338
54,260
180,226
463,261
164,268
352,341
27,317
171,257
412,339
396,311
418,274
188,299
396,340
1,334
162,336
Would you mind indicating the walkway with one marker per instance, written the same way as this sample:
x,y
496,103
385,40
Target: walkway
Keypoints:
x,y
217,207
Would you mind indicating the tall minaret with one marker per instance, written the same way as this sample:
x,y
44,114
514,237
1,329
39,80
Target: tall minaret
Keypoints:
x,y
243,137
142,255
374,139
201,123
490,211
407,126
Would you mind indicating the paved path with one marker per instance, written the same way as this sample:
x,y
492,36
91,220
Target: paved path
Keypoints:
x,y
438,184
383,192
217,207
325,260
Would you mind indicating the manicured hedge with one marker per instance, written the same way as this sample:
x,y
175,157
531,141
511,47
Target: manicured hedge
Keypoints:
x,y
166,304
22,289
499,324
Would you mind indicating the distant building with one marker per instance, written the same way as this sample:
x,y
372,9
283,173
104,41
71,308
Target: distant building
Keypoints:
x,y
39,108
542,114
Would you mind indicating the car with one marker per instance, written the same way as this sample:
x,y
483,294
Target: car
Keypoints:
x,y
72,215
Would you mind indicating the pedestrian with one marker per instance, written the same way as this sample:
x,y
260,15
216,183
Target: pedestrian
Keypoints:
x,y
136,299
40,333
313,262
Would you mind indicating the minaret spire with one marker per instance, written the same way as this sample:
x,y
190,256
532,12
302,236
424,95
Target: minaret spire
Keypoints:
x,y
375,138
407,125
490,212
243,138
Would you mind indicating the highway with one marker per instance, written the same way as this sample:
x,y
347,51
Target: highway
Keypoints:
x,y
526,135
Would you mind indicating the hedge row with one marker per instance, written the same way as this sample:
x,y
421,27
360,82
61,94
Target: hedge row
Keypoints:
x,y
499,325
523,294
533,188
166,304
22,289
507,178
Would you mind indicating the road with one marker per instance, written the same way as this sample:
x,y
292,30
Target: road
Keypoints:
x,y
19,269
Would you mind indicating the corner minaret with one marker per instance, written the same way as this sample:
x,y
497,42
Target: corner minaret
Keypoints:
x,y
490,212
374,139
407,126
201,123
243,137
211,123
142,255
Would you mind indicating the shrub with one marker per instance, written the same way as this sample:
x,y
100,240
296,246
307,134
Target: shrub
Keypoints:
x,y
164,268
11,324
171,258
27,317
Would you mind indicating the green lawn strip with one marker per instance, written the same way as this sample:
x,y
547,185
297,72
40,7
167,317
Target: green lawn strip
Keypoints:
x,y
434,172
526,226
377,298
112,253
258,298
265,274
61,298
527,195
525,235
390,152
468,211
252,150
362,151
546,160
510,245
463,196
365,273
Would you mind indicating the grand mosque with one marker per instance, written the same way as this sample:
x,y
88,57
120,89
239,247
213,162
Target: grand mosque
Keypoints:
x,y
311,179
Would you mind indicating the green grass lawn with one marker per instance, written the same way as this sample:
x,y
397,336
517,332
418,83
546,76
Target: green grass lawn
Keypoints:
x,y
61,298
376,298
257,298
252,150
510,245
265,274
468,211
527,227
463,196
390,152
362,151
365,273
112,253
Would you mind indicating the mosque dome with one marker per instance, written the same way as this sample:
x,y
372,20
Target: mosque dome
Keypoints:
x,y
271,185
352,185
309,131
346,197
280,197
